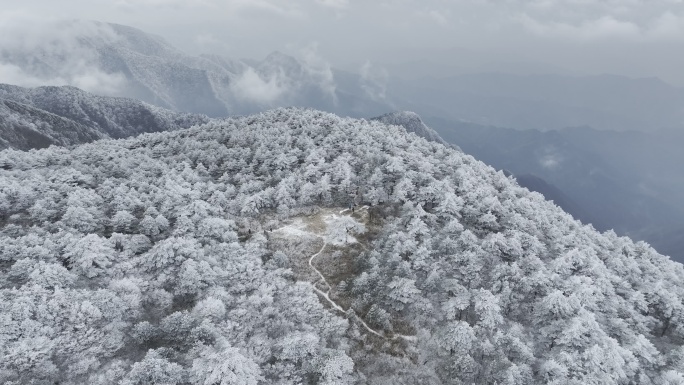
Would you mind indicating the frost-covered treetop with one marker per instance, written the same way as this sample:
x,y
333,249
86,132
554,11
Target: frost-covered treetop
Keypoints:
x,y
412,123
153,260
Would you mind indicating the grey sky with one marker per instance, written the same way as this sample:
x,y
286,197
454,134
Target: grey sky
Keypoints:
x,y
631,37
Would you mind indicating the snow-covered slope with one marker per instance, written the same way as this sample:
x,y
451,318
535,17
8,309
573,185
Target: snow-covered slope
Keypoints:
x,y
296,247
412,123
39,117
24,127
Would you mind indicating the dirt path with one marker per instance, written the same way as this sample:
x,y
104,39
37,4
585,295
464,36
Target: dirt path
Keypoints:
x,y
326,294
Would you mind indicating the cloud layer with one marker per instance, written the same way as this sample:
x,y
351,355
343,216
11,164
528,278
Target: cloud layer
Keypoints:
x,y
250,86
568,34
53,52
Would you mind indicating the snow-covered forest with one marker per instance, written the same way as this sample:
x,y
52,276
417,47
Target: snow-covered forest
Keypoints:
x,y
297,247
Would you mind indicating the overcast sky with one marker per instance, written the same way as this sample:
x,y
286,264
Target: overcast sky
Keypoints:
x,y
630,37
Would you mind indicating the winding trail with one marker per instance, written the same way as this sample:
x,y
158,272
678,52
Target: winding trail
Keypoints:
x,y
325,295
335,305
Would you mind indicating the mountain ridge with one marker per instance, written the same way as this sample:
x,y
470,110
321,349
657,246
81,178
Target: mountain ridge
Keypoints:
x,y
412,123
80,117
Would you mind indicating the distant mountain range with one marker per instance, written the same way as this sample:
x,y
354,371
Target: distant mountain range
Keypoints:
x,y
118,60
131,63
546,101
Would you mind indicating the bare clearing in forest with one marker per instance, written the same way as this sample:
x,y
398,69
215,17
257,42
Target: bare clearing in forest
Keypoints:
x,y
329,230
302,236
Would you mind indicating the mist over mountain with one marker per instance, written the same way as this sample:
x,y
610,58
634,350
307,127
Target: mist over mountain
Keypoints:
x,y
65,116
119,60
548,101
295,246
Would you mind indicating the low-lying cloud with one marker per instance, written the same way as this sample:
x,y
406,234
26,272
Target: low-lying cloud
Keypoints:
x,y
252,87
319,71
15,75
281,79
96,81
35,52
551,159
374,81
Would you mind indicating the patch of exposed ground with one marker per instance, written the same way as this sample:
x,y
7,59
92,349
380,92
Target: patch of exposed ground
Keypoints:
x,y
323,255
302,236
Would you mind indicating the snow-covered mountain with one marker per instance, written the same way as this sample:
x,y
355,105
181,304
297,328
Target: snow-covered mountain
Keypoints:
x,y
24,127
123,61
40,117
295,246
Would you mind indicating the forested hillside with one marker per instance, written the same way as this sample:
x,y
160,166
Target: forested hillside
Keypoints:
x,y
297,247
42,116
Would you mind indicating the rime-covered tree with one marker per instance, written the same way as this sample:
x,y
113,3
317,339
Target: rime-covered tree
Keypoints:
x,y
151,260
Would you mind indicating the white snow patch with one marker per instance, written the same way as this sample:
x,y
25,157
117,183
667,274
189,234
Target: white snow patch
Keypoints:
x,y
296,229
336,234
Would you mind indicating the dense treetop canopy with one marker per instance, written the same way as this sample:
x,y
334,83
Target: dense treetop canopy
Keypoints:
x,y
152,260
